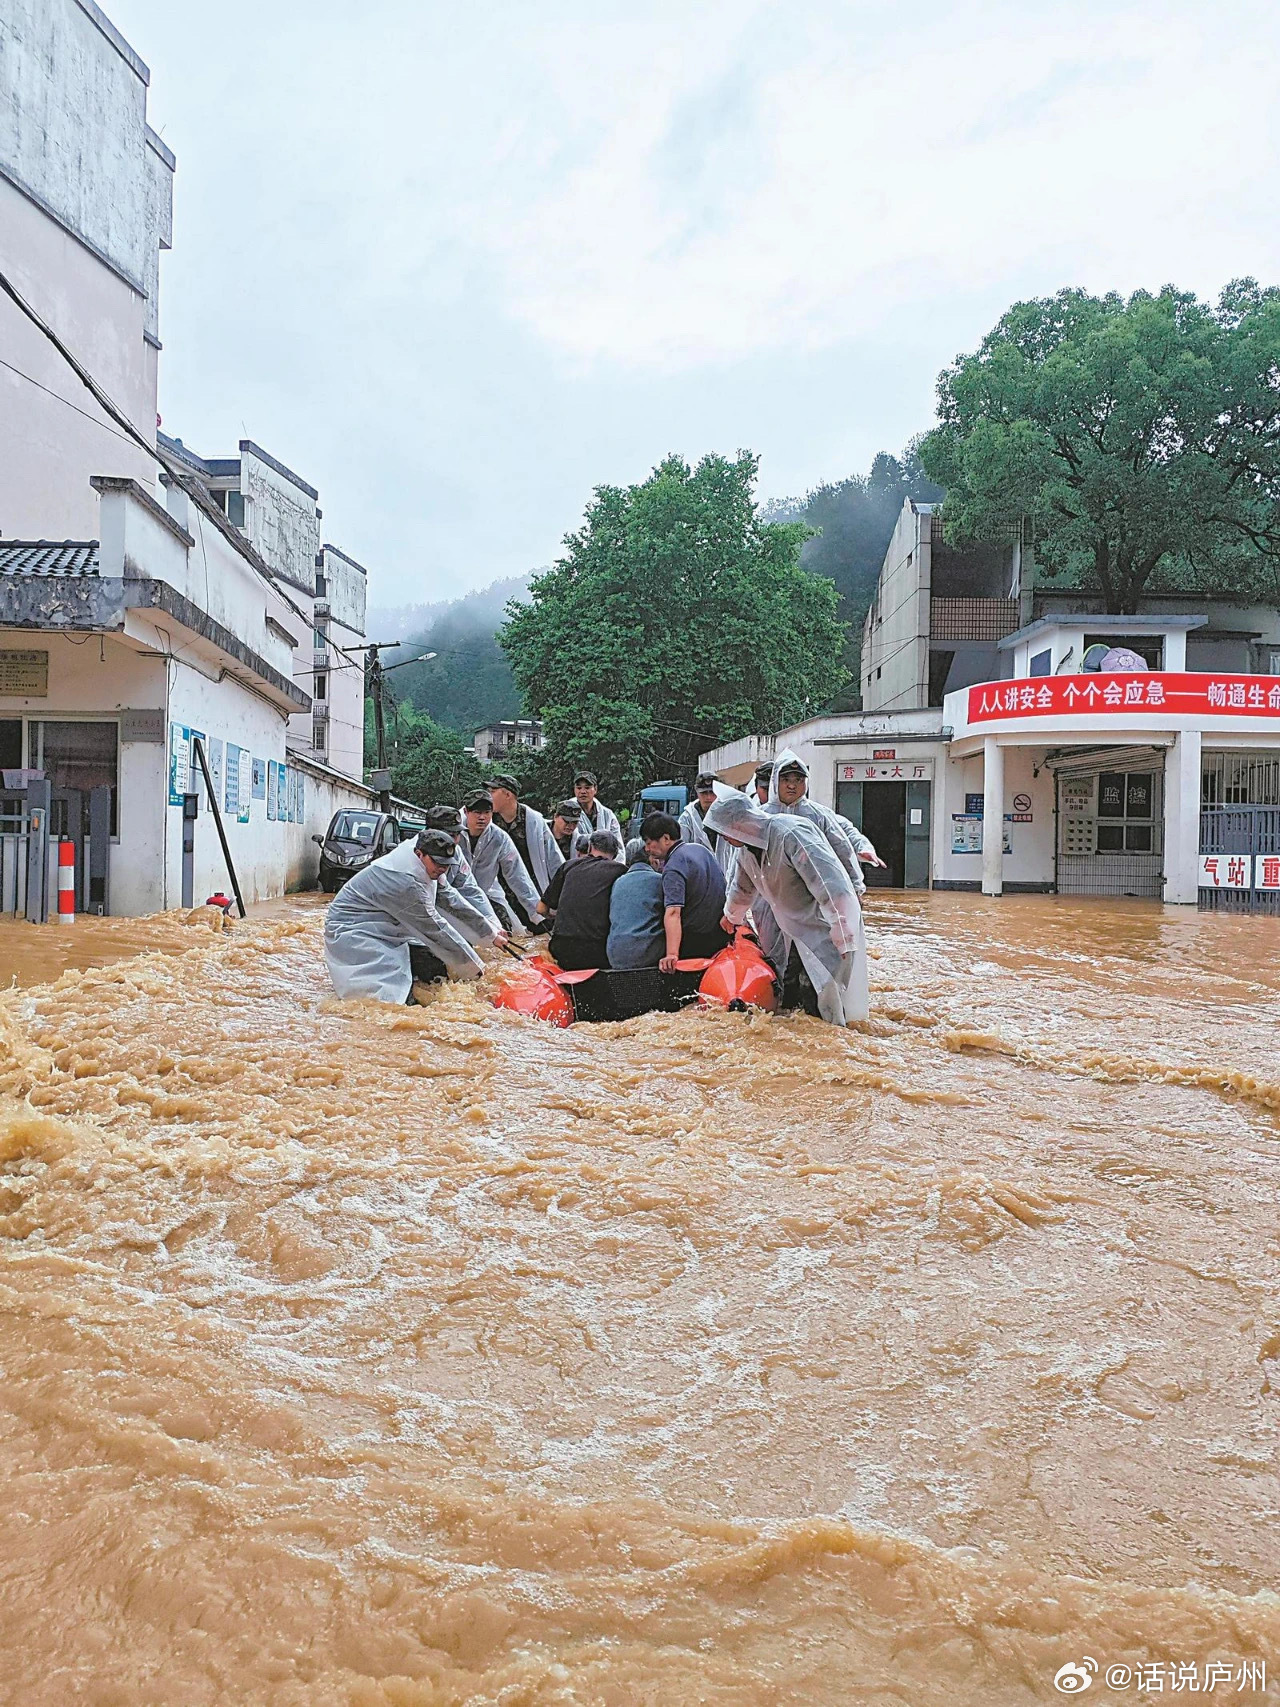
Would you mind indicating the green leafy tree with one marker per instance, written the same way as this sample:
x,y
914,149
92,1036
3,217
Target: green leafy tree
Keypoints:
x,y
1140,438
677,619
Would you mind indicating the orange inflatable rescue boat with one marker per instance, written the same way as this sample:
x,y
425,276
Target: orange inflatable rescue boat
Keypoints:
x,y
739,977
534,988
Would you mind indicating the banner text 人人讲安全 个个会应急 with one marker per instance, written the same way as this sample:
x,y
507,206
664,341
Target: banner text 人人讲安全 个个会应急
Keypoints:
x,y
1067,696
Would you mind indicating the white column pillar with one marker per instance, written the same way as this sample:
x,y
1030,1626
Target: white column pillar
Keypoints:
x,y
992,817
1182,817
1175,650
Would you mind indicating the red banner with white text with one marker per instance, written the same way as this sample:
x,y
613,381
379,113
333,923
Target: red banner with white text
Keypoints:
x,y
1137,691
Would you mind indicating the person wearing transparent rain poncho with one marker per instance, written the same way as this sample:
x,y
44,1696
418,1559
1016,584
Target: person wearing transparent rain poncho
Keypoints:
x,y
398,900
789,792
788,863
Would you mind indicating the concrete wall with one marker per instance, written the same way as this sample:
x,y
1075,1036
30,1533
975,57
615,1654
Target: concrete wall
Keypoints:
x,y
346,582
1237,637
325,794
1031,860
225,712
85,205
895,642
143,541
52,434
73,128
281,519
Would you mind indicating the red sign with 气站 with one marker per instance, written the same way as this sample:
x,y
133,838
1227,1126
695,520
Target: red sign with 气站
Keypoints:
x,y
1139,691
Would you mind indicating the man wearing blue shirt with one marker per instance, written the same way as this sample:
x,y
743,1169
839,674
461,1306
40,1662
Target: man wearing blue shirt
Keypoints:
x,y
692,892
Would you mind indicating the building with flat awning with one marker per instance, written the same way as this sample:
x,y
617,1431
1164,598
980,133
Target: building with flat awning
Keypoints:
x,y
1123,765
150,599
1075,751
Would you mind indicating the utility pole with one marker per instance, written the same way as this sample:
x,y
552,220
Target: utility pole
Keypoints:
x,y
381,777
376,686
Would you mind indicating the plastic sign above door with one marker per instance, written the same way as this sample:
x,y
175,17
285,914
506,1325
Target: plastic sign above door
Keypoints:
x,y
1075,696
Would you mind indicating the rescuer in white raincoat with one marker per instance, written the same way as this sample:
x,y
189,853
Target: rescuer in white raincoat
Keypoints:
x,y
707,790
395,901
593,813
459,876
788,863
538,849
790,793
493,856
788,784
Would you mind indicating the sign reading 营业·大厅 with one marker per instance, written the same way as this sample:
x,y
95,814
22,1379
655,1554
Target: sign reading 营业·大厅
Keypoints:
x,y
903,770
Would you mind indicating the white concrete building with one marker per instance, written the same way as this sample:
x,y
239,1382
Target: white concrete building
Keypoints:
x,y
278,513
150,616
506,736
86,195
1012,761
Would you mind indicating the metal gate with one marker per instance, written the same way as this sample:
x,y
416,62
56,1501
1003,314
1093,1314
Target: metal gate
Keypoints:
x,y
1252,831
24,852
85,819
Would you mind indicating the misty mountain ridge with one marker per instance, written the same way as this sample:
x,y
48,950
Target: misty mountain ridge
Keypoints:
x,y
482,609
468,683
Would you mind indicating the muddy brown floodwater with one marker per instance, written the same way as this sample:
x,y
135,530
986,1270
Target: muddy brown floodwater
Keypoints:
x,y
382,1357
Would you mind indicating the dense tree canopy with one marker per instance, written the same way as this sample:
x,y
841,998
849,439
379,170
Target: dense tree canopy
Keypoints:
x,y
1140,438
678,618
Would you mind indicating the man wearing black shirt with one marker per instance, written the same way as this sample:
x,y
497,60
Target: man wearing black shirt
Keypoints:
x,y
578,900
535,843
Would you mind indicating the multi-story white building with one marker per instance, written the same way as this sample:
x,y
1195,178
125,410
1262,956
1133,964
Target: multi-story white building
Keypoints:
x,y
278,513
506,736
134,611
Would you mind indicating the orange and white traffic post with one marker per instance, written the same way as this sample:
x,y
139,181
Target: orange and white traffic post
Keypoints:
x,y
66,882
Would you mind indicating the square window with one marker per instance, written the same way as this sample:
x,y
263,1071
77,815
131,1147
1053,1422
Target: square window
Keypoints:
x,y
1111,795
1110,838
1138,794
1137,838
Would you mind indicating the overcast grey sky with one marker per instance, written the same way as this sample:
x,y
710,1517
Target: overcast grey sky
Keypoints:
x,y
459,264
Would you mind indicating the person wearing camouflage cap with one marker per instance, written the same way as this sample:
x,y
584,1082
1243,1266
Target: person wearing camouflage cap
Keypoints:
x,y
460,876
394,903
494,859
